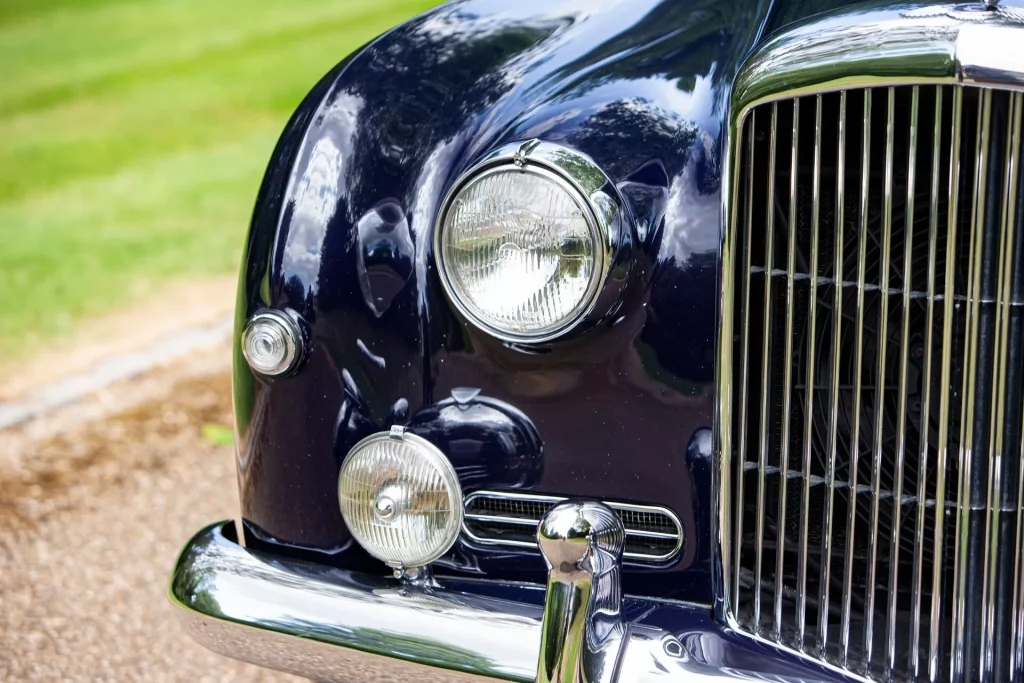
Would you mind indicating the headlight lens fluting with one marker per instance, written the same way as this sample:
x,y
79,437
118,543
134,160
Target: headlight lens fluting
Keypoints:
x,y
520,252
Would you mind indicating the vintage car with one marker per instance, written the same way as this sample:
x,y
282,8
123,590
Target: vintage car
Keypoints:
x,y
649,340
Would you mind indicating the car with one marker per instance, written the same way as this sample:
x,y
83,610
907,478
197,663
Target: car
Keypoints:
x,y
616,341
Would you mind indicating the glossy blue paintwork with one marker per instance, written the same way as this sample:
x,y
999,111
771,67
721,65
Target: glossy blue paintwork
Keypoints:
x,y
342,233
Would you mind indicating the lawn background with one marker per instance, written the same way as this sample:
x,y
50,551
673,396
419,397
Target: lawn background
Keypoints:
x,y
133,136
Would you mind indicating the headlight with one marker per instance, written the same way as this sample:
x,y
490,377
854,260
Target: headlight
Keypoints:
x,y
400,498
525,242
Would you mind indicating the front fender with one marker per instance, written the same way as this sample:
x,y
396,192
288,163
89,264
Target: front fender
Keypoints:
x,y
342,232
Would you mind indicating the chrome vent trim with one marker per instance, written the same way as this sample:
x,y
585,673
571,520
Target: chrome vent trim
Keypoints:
x,y
654,534
937,590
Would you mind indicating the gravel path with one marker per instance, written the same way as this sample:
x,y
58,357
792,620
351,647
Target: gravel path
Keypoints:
x,y
92,515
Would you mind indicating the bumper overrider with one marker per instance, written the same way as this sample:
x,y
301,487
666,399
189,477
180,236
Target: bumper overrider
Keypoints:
x,y
331,624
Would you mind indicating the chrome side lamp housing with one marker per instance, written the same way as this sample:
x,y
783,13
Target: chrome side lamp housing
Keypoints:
x,y
533,242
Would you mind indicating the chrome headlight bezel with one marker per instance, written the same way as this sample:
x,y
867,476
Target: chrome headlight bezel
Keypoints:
x,y
602,208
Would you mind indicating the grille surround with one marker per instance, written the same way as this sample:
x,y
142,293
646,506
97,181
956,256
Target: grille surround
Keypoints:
x,y
654,534
927,47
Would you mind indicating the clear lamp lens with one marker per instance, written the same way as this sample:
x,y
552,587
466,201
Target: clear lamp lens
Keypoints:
x,y
519,253
268,344
401,499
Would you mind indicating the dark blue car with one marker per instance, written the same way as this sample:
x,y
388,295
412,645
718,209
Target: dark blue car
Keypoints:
x,y
637,340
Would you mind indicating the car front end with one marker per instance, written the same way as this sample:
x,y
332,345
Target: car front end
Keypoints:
x,y
649,341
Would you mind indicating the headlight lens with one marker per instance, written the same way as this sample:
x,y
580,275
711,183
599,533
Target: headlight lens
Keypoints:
x,y
400,498
520,254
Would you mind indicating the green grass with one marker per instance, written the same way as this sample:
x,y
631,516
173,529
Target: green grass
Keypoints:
x,y
133,136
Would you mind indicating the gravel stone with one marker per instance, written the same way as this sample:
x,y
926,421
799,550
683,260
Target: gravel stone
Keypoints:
x,y
92,516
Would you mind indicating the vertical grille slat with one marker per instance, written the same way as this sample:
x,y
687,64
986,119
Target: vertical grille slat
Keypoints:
x,y
1017,641
946,354
879,389
998,402
762,461
833,416
745,384
913,661
787,381
878,364
854,453
963,640
904,355
801,604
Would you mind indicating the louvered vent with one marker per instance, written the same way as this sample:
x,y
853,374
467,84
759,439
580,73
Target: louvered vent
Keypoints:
x,y
877,381
653,534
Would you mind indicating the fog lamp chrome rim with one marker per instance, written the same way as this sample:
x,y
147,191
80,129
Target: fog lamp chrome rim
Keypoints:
x,y
394,498
271,343
592,191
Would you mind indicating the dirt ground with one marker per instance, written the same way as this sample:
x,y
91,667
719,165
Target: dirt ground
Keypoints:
x,y
92,515
196,302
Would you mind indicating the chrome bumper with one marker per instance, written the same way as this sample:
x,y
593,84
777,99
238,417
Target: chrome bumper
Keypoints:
x,y
330,624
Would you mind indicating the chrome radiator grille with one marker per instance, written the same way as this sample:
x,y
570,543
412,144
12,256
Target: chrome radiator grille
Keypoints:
x,y
877,375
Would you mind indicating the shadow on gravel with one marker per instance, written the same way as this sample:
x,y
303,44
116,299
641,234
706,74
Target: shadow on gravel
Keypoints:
x,y
110,451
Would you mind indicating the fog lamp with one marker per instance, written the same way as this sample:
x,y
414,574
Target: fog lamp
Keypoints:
x,y
271,342
400,498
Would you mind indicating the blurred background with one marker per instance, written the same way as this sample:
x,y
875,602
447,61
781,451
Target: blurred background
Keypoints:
x,y
133,138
